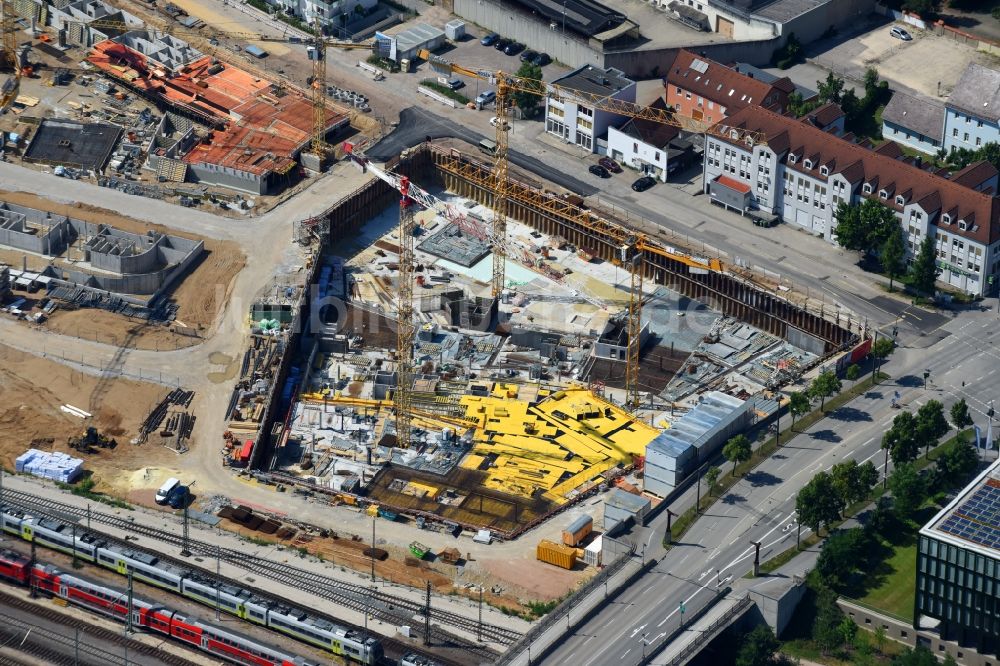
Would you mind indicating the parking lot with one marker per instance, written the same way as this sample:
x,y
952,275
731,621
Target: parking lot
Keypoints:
x,y
472,55
920,65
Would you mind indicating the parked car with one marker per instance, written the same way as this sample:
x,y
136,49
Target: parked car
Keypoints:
x,y
514,48
485,98
541,59
502,43
490,39
528,56
901,33
643,184
610,165
496,121
599,171
178,498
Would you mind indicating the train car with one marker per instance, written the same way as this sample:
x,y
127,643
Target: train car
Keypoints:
x,y
147,567
229,598
14,567
144,567
59,536
229,645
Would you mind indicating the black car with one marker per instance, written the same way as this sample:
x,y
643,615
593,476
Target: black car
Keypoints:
x,y
541,59
643,184
514,48
528,56
600,171
502,43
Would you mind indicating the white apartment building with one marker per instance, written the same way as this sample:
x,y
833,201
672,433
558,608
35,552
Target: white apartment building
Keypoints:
x,y
570,113
801,173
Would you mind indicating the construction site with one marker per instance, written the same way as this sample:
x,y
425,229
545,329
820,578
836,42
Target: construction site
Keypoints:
x,y
108,96
520,405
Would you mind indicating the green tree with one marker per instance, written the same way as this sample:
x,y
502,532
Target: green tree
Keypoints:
x,y
871,81
826,627
924,269
844,553
931,424
901,439
830,89
883,348
799,403
919,656
865,227
893,256
711,476
524,99
852,481
924,8
880,638
825,385
818,503
850,104
908,489
853,372
955,463
789,54
758,647
960,415
737,450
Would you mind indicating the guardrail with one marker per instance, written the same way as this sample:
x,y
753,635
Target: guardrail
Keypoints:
x,y
561,611
379,74
436,96
703,638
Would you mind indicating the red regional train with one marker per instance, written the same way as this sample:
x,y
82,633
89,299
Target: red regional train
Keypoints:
x,y
223,643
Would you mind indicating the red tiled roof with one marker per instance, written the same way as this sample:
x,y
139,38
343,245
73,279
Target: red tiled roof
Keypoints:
x,y
720,84
975,175
879,168
733,184
259,126
824,115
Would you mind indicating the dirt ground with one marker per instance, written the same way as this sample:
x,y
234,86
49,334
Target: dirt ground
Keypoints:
x,y
200,294
522,581
31,392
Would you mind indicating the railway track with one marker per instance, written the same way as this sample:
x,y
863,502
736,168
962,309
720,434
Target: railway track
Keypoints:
x,y
60,648
380,605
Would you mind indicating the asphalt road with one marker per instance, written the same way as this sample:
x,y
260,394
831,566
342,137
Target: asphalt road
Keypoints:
x,y
416,124
718,548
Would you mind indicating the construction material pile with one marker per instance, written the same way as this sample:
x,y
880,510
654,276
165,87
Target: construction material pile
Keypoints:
x,y
49,465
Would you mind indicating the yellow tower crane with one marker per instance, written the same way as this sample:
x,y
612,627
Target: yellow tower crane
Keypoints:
x,y
316,47
631,254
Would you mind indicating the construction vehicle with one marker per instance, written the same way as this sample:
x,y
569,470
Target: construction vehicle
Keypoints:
x,y
91,440
499,184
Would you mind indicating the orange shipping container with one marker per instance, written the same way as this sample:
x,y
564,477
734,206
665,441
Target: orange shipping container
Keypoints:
x,y
555,553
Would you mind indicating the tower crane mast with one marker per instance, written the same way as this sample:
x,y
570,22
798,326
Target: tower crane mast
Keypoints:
x,y
631,255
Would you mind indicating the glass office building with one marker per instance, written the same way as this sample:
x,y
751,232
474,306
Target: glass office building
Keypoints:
x,y
958,567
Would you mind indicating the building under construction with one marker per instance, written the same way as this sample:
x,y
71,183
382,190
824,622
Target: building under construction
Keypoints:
x,y
255,129
510,425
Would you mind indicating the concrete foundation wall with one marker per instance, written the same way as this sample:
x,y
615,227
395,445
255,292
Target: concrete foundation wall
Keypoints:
x,y
568,48
903,632
201,173
811,25
723,292
15,233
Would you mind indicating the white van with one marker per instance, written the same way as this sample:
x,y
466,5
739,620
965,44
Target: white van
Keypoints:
x,y
163,494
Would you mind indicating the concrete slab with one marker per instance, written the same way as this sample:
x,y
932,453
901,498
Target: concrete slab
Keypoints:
x,y
929,65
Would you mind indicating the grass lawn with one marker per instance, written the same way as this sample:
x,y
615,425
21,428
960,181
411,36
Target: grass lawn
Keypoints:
x,y
896,592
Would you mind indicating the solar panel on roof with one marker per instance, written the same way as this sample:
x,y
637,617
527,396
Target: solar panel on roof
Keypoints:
x,y
978,519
